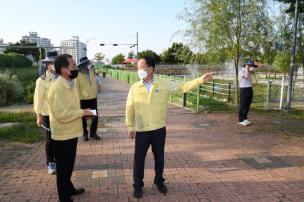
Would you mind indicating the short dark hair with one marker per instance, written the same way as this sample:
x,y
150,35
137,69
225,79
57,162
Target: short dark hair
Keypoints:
x,y
149,61
61,61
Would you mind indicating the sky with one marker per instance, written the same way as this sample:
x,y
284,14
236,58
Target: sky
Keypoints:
x,y
95,22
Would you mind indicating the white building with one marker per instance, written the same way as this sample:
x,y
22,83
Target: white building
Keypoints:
x,y
74,47
2,44
34,38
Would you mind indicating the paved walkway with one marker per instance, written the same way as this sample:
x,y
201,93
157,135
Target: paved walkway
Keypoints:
x,y
208,158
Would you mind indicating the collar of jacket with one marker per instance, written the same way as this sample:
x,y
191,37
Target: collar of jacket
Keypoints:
x,y
84,70
154,82
65,82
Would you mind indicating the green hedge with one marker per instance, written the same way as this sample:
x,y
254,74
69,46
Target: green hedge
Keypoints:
x,y
17,85
13,60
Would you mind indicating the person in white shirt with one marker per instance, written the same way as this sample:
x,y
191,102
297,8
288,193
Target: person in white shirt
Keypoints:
x,y
246,91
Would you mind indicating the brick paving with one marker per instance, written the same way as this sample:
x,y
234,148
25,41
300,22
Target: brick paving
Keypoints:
x,y
208,158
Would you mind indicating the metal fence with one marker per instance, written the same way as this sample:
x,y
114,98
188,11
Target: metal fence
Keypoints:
x,y
268,95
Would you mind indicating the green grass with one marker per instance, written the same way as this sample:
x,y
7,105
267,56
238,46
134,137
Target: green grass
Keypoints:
x,y
205,103
298,115
292,115
290,124
25,132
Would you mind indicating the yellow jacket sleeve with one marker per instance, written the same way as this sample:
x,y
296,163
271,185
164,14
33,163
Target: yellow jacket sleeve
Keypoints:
x,y
130,112
39,96
175,87
60,109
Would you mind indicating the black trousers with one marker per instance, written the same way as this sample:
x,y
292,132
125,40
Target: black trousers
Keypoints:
x,y
65,154
143,140
246,95
92,104
49,152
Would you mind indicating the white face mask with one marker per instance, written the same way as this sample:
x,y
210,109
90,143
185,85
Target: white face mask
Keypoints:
x,y
251,69
142,74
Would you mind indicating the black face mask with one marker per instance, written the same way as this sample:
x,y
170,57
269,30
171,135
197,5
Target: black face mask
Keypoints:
x,y
74,74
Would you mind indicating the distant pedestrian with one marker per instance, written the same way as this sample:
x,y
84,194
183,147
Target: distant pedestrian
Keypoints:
x,y
246,91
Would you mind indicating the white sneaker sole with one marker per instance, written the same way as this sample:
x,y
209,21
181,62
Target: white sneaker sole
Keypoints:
x,y
247,122
243,124
51,172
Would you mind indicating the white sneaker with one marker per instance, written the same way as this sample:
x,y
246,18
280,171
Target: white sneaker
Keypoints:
x,y
247,121
243,123
51,168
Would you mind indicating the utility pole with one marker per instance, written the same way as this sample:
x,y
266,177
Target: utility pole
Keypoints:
x,y
293,56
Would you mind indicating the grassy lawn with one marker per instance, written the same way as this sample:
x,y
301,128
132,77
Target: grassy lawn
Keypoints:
x,y
286,124
205,103
25,132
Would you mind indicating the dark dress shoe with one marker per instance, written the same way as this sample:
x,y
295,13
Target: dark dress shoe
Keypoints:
x,y
137,193
162,188
85,138
94,136
78,191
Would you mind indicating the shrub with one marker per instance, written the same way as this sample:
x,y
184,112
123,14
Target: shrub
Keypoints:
x,y
26,75
13,60
11,90
29,92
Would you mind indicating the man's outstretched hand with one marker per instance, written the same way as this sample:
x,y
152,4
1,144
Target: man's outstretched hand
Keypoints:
x,y
207,76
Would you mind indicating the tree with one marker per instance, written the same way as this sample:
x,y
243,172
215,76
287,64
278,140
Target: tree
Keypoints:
x,y
301,40
99,57
178,53
26,51
131,54
296,7
282,62
149,53
292,4
231,25
118,59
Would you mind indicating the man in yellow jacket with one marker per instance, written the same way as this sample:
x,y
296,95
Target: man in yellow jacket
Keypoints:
x,y
43,83
88,96
65,121
146,111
